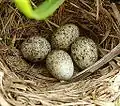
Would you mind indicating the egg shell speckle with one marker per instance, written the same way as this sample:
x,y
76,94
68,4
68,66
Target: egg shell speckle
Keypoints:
x,y
64,36
60,64
84,52
35,48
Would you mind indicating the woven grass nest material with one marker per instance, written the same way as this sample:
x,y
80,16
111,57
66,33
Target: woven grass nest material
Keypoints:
x,y
24,84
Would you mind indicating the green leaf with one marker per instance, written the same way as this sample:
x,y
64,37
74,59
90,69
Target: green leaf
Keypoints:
x,y
46,9
25,7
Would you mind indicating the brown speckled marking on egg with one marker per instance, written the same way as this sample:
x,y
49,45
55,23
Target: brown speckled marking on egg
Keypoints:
x,y
60,64
64,36
35,48
84,52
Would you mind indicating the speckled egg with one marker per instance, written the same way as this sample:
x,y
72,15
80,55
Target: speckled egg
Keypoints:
x,y
35,48
60,64
84,52
64,36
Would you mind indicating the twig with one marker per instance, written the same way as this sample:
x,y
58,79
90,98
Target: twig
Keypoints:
x,y
85,73
116,12
98,9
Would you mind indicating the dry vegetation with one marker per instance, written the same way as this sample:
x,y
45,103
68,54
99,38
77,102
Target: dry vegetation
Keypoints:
x,y
26,84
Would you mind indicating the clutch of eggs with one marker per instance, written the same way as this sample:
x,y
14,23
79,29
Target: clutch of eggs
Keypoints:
x,y
58,62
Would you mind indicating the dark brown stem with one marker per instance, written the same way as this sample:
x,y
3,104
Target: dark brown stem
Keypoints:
x,y
85,73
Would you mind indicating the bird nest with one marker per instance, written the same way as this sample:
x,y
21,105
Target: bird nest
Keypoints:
x,y
27,84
